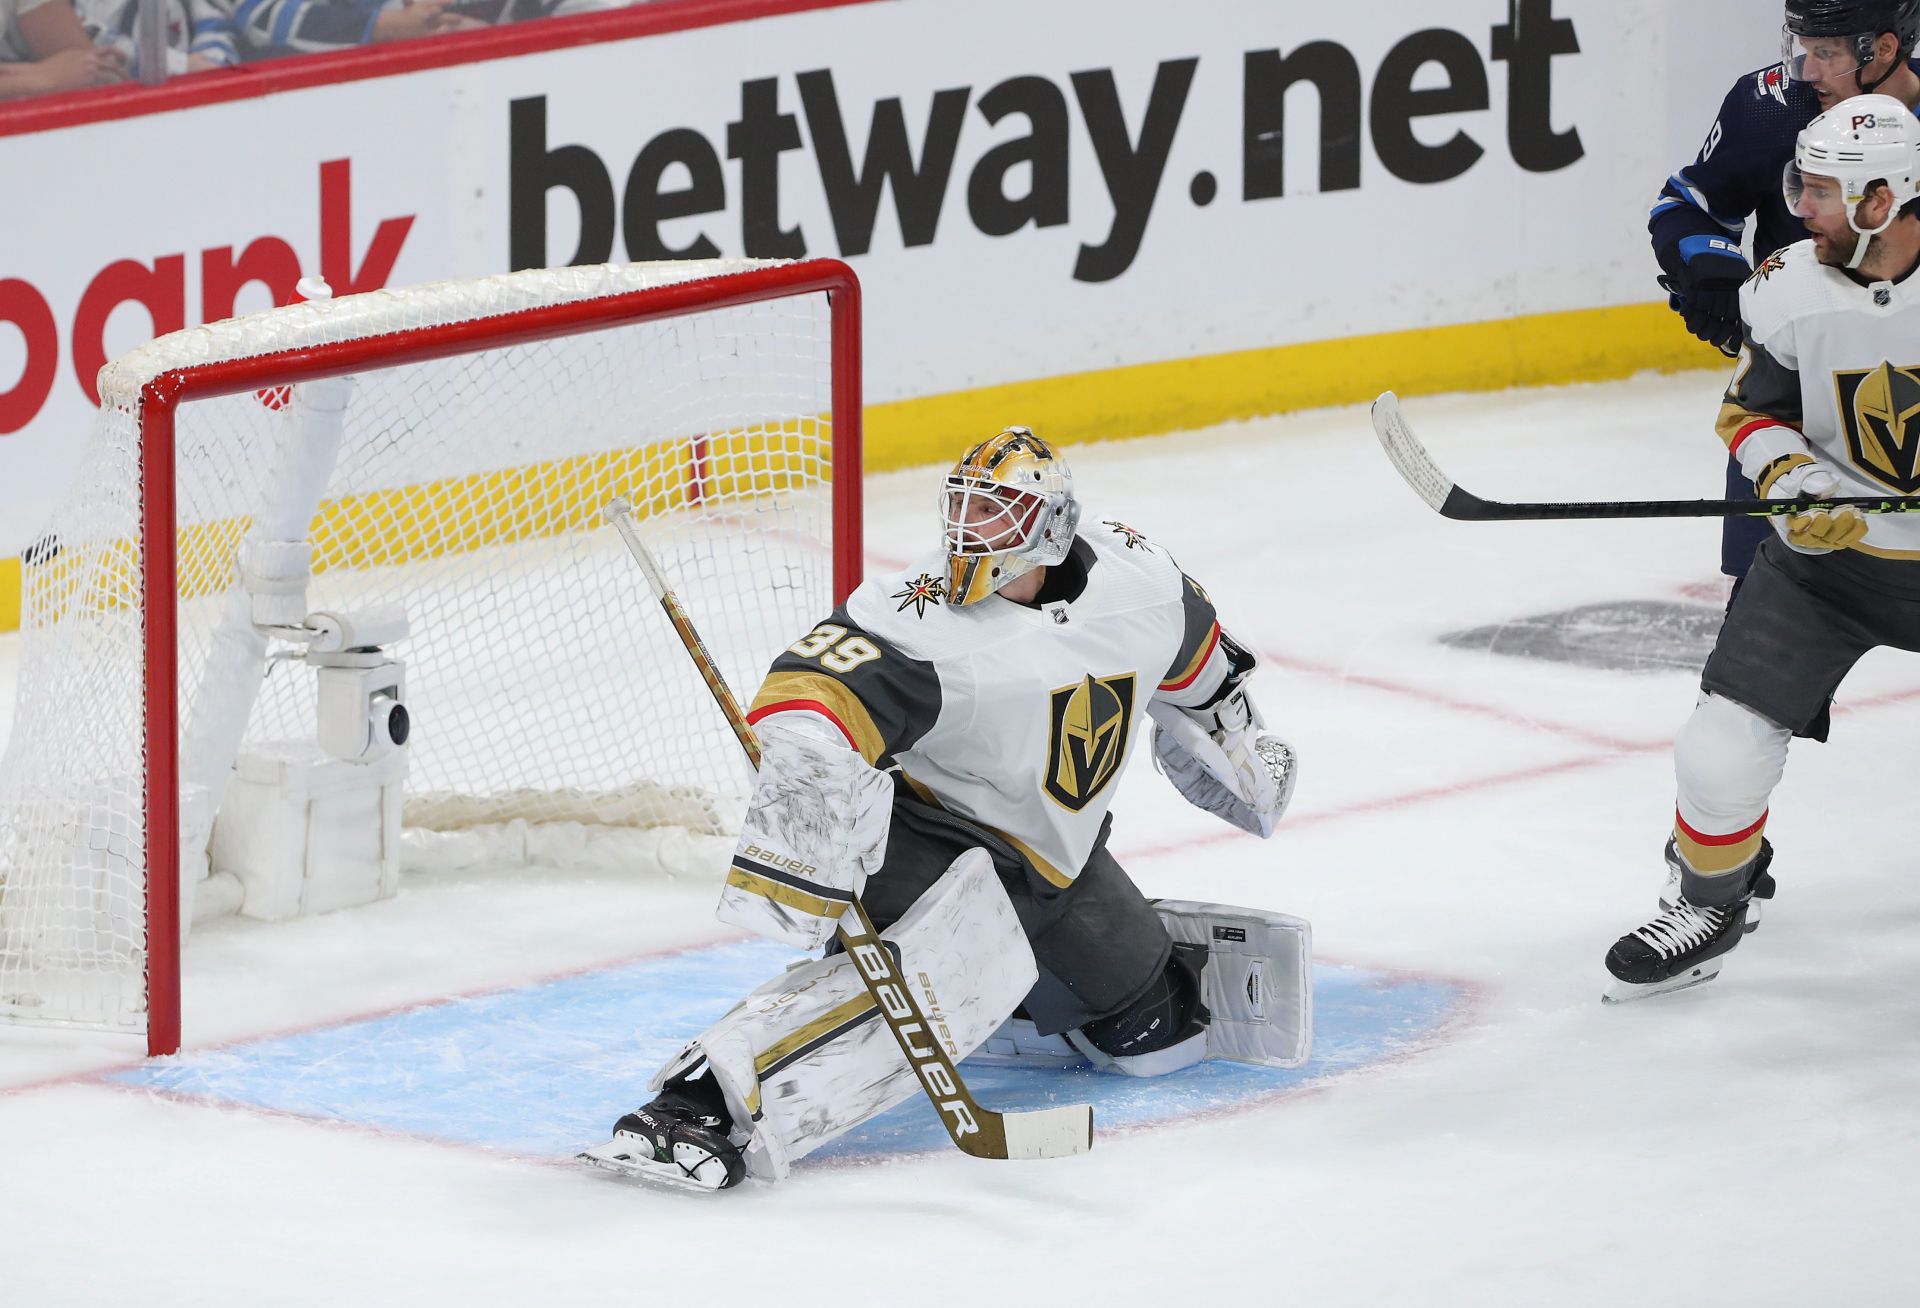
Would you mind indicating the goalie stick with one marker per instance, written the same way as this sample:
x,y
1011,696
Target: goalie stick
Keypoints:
x,y
981,1132
1440,492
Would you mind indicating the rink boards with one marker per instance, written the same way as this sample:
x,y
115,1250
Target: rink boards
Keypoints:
x,y
542,1071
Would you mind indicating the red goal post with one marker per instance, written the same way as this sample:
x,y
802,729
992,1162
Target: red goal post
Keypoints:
x,y
446,490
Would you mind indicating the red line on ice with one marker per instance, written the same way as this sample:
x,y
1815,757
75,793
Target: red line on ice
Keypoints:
x,y
1491,712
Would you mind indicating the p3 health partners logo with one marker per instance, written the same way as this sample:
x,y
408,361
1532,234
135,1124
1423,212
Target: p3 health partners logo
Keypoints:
x,y
723,184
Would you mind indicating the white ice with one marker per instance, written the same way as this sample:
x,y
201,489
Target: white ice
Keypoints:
x,y
1748,1143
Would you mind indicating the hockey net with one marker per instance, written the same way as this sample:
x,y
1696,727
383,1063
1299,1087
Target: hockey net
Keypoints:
x,y
485,426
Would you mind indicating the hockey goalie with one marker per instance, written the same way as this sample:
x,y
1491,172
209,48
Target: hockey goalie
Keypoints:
x,y
945,748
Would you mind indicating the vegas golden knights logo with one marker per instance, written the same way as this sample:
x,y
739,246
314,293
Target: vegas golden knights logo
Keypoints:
x,y
1881,410
1088,738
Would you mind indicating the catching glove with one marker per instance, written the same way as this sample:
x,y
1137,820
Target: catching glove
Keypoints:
x,y
1222,759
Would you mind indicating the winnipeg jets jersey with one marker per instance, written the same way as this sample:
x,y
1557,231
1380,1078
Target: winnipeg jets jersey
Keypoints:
x,y
1736,178
1018,718
1838,361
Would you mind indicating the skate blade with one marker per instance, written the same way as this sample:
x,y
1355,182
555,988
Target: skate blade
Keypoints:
x,y
619,1158
1625,992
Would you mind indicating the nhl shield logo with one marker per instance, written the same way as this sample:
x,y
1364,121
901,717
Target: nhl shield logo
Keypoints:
x,y
1881,410
1087,740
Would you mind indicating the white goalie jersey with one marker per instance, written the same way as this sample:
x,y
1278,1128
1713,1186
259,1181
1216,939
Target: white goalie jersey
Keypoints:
x,y
1831,369
1018,718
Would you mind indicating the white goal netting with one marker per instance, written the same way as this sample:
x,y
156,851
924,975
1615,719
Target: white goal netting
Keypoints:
x,y
542,680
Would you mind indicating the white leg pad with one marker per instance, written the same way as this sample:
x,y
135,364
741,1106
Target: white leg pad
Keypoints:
x,y
1727,760
1258,982
807,1057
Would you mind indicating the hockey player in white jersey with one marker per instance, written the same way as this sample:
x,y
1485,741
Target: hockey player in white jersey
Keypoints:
x,y
945,746
1825,402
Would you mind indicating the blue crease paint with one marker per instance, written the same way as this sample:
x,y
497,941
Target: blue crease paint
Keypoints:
x,y
546,1069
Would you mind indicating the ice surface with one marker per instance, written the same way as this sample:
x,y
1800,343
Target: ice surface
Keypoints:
x,y
1461,813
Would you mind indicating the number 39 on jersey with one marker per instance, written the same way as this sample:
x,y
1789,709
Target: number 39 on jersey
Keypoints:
x,y
834,648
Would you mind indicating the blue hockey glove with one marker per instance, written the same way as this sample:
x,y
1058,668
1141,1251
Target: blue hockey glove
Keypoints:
x,y
1705,292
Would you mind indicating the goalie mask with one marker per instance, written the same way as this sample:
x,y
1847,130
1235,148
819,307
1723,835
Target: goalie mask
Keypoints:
x,y
1005,509
1854,145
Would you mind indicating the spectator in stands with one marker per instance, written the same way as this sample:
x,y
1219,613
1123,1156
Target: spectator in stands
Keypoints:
x,y
44,48
519,11
270,28
199,32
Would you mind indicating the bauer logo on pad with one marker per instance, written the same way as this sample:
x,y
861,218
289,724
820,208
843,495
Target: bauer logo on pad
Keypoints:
x,y
1229,933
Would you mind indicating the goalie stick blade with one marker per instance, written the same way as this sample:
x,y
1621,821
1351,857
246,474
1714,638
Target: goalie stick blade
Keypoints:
x,y
1046,1133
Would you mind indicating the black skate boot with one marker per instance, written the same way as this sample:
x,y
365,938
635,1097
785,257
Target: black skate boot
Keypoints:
x,y
677,1139
1676,870
1687,943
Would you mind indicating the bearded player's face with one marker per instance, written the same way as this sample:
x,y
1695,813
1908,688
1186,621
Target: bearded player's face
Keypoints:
x,y
1822,207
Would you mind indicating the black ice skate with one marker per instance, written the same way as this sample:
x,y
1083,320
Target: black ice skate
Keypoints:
x,y
673,1141
1687,943
1672,892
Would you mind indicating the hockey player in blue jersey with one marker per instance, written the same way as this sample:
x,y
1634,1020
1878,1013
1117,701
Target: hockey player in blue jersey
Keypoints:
x,y
1831,50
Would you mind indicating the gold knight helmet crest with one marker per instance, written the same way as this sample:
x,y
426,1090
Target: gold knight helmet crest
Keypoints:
x,y
1087,739
1881,410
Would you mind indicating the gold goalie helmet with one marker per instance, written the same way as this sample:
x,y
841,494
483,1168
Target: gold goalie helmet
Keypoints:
x,y
1005,509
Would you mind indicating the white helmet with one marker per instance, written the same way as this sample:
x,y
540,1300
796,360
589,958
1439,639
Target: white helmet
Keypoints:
x,y
1858,142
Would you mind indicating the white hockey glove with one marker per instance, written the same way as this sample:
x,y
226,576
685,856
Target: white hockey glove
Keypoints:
x,y
815,830
1223,760
1823,530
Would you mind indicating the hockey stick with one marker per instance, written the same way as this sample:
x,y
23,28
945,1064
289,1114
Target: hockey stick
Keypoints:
x,y
981,1132
1439,491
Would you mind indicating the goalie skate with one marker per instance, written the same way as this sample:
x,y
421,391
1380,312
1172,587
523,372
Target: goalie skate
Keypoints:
x,y
663,1144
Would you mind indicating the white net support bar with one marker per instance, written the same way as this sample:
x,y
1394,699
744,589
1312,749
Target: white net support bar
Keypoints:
x,y
467,490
